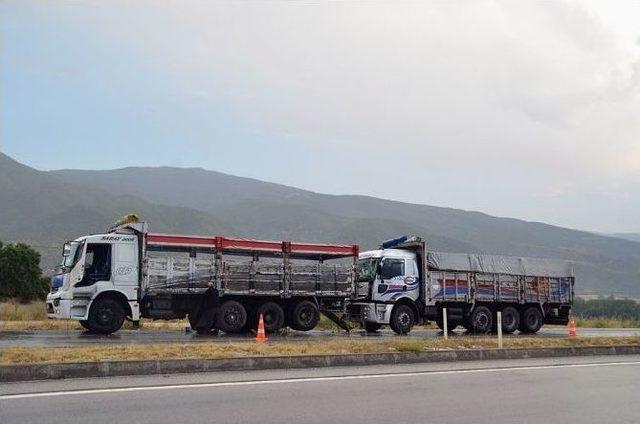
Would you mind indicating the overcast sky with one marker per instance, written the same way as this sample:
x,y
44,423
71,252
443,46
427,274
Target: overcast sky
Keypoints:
x,y
521,109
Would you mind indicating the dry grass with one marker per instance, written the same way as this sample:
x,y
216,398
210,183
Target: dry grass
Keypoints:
x,y
16,316
39,325
607,323
54,324
28,355
13,310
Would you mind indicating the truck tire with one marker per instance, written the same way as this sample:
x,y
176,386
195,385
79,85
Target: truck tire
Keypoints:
x,y
201,331
304,316
106,316
402,319
530,320
510,320
232,317
481,320
372,327
85,324
273,316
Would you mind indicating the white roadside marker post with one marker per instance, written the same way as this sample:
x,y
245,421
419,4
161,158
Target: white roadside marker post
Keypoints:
x,y
444,323
499,330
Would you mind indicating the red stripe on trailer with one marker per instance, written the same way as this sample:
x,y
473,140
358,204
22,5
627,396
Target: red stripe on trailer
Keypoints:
x,y
232,243
328,249
236,244
180,240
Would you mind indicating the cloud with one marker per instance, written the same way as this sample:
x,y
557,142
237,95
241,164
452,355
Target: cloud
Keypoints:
x,y
488,104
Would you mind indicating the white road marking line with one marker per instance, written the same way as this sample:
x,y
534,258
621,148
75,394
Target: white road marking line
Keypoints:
x,y
306,380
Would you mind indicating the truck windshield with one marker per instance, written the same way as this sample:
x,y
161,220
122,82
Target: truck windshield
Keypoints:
x,y
71,254
367,269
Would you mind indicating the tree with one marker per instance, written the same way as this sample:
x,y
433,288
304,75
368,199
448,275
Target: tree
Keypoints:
x,y
20,274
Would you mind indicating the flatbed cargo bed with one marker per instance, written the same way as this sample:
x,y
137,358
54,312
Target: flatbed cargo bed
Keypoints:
x,y
246,267
494,278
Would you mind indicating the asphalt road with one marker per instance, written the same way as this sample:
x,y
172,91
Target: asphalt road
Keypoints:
x,y
557,390
142,336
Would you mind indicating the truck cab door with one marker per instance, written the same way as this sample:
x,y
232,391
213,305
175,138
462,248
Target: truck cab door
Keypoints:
x,y
77,272
389,279
398,277
97,264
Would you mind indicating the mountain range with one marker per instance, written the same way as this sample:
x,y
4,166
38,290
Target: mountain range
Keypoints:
x,y
627,236
45,208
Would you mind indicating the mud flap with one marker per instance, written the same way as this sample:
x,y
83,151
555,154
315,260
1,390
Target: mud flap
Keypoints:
x,y
207,310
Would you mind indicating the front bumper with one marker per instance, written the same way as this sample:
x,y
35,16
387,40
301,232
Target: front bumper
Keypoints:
x,y
379,313
59,308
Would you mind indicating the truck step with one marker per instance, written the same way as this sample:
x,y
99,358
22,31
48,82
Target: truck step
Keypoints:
x,y
336,319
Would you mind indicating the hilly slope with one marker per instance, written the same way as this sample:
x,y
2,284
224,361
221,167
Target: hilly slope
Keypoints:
x,y
199,201
628,236
45,210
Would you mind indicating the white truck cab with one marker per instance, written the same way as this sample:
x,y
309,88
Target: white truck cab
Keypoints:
x,y
217,282
94,268
401,284
388,288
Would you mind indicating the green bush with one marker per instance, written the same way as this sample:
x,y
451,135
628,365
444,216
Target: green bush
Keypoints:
x,y
20,274
607,308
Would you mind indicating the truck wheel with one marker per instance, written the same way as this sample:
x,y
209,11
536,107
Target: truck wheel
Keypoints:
x,y
202,331
531,320
85,324
273,316
402,319
510,319
371,327
232,317
106,316
304,316
481,320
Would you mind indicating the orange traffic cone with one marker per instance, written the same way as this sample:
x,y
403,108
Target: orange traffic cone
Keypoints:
x,y
573,330
260,335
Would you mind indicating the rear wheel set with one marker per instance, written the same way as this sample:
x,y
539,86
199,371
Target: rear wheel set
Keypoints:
x,y
233,317
304,316
510,319
479,321
531,320
483,320
273,316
